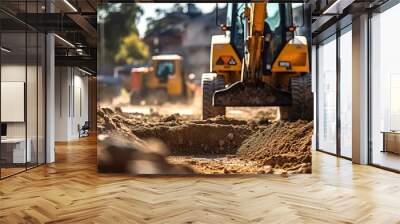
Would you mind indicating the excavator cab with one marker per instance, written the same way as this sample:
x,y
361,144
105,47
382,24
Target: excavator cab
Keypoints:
x,y
275,24
283,21
269,43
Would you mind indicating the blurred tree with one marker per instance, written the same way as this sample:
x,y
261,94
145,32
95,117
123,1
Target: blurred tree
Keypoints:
x,y
132,50
177,8
119,29
167,18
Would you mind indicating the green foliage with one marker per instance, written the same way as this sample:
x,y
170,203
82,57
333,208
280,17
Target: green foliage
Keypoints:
x,y
119,30
132,50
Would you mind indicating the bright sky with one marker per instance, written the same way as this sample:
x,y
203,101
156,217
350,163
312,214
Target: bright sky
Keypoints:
x,y
149,10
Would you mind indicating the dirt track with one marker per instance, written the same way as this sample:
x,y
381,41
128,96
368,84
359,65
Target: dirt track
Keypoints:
x,y
255,143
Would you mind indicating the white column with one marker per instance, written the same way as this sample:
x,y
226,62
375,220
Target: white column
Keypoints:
x,y
314,90
360,90
50,94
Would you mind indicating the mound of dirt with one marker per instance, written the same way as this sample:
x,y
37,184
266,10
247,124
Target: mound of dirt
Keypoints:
x,y
184,137
285,145
127,154
172,117
229,164
190,138
221,120
253,146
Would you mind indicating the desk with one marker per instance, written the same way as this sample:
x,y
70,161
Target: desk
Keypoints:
x,y
391,141
15,148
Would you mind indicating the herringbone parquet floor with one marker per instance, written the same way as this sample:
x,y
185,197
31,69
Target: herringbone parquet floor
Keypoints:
x,y
71,191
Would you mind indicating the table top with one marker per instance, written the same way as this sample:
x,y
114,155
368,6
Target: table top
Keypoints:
x,y
391,132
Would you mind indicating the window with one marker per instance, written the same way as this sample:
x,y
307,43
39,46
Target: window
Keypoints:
x,y
346,93
327,96
279,17
273,32
335,108
385,89
237,31
22,75
273,17
165,69
394,102
229,14
298,10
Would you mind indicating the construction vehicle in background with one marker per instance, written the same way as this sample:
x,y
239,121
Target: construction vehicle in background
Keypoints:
x,y
163,81
263,59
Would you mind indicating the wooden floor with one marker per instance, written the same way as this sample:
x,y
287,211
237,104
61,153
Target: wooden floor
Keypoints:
x,y
71,191
386,159
5,172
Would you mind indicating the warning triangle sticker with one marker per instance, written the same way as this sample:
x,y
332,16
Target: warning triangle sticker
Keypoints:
x,y
220,61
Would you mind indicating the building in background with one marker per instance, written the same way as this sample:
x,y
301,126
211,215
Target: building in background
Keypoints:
x,y
188,34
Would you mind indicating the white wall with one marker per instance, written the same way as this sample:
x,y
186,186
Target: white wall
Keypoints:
x,y
71,102
80,108
13,73
33,127
61,103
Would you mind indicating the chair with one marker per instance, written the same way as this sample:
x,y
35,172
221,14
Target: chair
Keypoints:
x,y
84,130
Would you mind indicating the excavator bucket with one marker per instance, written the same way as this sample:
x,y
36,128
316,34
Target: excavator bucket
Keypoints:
x,y
251,94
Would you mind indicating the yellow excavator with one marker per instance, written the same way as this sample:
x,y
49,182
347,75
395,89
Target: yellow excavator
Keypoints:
x,y
163,81
263,59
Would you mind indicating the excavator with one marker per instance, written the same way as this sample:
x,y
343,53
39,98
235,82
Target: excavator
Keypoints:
x,y
163,81
262,59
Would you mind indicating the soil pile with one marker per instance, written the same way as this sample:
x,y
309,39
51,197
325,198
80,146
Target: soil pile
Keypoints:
x,y
285,145
258,114
120,150
227,164
217,145
131,155
189,138
184,137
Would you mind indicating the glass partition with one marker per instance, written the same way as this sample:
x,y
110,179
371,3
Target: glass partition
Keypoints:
x,y
346,93
13,94
327,95
22,77
385,89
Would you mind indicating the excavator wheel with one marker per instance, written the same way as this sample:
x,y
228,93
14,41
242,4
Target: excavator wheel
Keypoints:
x,y
157,97
211,82
302,100
135,98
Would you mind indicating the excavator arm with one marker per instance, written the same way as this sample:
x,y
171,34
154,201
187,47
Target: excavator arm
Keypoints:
x,y
275,62
255,18
251,91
